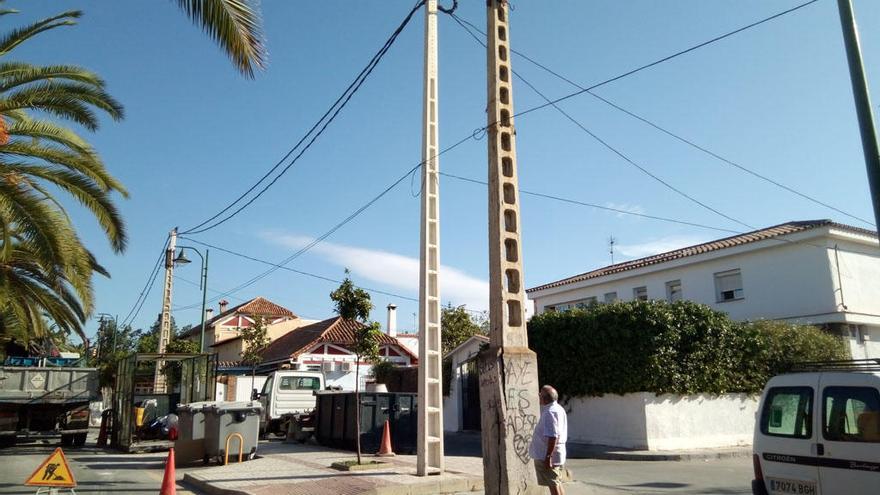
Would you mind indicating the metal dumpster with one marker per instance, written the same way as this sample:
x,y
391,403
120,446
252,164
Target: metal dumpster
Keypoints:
x,y
337,420
190,443
223,420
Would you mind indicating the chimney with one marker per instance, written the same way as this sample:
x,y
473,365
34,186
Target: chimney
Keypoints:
x,y
209,313
223,304
391,328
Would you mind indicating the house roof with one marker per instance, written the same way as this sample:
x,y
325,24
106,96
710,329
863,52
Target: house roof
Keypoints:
x,y
707,247
478,337
334,330
258,306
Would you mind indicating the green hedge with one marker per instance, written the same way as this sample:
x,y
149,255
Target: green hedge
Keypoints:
x,y
655,346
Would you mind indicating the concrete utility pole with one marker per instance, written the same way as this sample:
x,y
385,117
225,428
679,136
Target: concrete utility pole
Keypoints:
x,y
508,369
159,383
430,403
863,102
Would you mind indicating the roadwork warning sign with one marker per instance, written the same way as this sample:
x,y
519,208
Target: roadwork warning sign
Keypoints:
x,y
54,471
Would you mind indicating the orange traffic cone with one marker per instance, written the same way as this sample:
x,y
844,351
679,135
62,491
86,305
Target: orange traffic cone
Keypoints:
x,y
385,448
169,482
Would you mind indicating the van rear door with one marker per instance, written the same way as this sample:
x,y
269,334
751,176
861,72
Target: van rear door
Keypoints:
x,y
850,431
785,442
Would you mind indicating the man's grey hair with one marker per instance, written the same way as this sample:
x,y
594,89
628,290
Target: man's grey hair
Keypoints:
x,y
549,393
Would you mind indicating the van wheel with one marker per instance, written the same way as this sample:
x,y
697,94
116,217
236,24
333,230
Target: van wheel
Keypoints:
x,y
7,441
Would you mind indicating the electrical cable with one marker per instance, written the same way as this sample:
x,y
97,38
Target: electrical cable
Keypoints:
x,y
336,227
596,206
142,297
666,58
333,112
611,148
666,131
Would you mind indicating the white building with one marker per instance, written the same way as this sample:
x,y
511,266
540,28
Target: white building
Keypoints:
x,y
814,272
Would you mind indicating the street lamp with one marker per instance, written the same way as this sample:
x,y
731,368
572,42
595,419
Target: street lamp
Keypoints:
x,y
181,259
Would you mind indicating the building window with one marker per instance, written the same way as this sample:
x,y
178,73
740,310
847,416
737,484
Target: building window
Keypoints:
x,y
728,286
610,297
586,303
640,293
673,291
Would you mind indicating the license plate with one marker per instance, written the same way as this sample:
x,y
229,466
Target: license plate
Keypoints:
x,y
793,487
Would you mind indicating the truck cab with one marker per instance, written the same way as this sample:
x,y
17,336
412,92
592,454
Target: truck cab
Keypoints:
x,y
818,431
287,394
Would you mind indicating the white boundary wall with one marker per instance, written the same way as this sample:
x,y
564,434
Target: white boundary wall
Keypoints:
x,y
663,422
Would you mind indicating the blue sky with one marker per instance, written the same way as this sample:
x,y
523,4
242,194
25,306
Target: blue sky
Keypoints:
x,y
775,98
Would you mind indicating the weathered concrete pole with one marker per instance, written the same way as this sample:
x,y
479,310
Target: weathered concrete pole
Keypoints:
x,y
429,449
508,368
159,382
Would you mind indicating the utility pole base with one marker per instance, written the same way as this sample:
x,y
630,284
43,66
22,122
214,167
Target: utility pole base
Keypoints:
x,y
508,386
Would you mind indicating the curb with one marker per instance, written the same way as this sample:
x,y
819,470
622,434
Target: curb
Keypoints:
x,y
438,486
207,487
672,456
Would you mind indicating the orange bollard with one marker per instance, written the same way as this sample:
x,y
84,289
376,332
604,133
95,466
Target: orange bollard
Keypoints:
x,y
169,481
385,448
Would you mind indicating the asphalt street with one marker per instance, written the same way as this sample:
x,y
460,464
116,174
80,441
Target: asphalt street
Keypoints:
x,y
97,471
104,471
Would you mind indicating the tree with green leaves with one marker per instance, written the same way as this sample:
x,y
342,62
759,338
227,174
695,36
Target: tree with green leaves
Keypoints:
x,y
457,326
45,270
354,304
255,339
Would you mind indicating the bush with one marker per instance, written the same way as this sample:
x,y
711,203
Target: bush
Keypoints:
x,y
660,347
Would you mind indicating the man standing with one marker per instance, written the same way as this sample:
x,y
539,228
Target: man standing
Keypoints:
x,y
548,441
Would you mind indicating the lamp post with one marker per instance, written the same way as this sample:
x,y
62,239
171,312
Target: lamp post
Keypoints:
x,y
181,259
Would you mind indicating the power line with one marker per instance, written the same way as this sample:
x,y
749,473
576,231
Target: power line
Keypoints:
x,y
674,135
476,133
333,112
611,148
667,58
332,230
145,292
300,272
593,205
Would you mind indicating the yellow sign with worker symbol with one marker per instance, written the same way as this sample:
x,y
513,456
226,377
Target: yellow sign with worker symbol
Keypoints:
x,y
54,471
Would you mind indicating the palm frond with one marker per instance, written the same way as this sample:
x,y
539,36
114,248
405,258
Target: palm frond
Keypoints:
x,y
20,35
235,25
13,74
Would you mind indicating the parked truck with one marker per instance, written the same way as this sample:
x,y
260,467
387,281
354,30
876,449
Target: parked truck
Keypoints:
x,y
45,398
287,395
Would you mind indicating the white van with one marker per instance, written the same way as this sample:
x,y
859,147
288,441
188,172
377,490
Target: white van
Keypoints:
x,y
288,393
818,431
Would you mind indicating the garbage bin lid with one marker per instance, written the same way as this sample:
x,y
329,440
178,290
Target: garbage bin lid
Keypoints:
x,y
224,407
195,406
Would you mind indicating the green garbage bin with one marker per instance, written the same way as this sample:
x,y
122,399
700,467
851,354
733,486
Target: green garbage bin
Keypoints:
x,y
190,444
223,420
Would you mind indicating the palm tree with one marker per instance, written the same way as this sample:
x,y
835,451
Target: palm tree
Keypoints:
x,y
45,271
39,284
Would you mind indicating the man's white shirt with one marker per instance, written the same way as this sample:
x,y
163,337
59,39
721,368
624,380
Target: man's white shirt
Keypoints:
x,y
552,423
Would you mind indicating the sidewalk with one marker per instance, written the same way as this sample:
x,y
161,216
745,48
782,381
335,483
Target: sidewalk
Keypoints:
x,y
296,469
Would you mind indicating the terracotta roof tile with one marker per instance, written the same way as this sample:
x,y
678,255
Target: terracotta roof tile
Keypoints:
x,y
334,330
707,247
258,306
